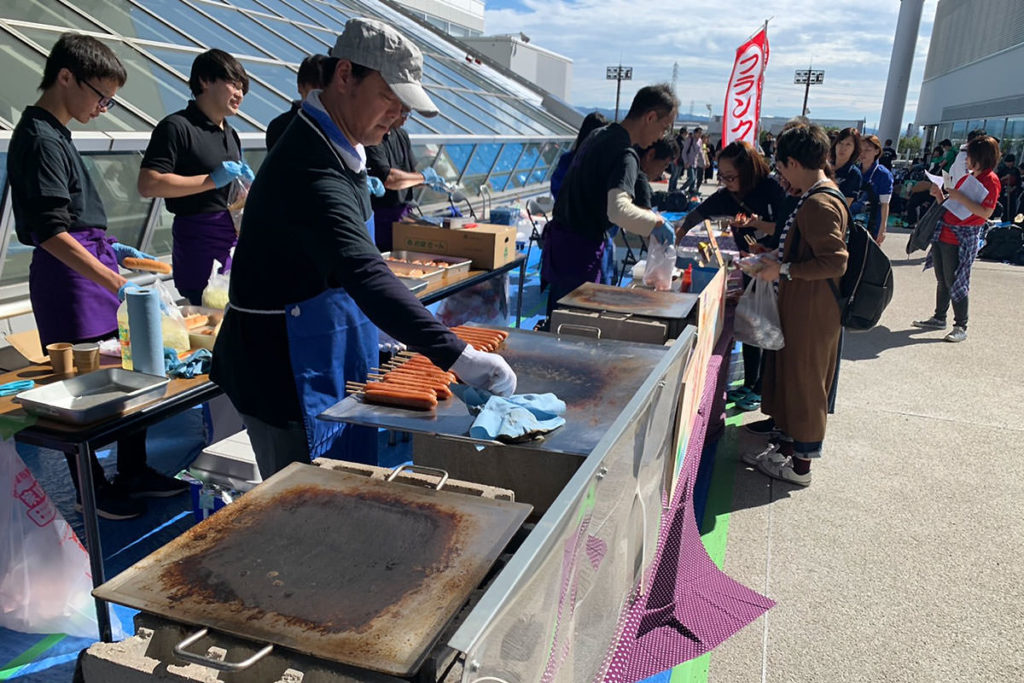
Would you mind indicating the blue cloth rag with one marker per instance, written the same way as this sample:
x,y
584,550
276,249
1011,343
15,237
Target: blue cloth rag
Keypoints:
x,y
521,417
196,364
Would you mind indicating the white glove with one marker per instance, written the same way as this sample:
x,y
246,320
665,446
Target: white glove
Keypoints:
x,y
487,371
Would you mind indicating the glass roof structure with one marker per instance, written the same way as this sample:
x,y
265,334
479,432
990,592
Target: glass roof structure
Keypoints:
x,y
493,130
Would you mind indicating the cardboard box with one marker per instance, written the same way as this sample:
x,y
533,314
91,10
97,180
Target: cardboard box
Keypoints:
x,y
489,246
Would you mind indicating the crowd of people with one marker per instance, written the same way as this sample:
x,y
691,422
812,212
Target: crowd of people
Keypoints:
x,y
793,203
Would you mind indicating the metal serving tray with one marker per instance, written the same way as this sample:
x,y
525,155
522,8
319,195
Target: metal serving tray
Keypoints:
x,y
453,264
94,396
407,270
413,284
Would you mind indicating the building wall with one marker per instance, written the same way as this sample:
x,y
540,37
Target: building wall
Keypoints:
x,y
974,77
547,69
457,17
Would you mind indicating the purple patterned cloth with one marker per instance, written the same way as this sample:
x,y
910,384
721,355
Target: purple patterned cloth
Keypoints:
x,y
968,236
691,606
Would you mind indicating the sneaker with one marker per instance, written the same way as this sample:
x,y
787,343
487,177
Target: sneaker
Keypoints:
x,y
750,402
149,484
931,323
783,471
110,504
958,334
769,452
738,394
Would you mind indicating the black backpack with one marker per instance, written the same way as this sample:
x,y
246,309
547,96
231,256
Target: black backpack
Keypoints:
x,y
865,289
1002,244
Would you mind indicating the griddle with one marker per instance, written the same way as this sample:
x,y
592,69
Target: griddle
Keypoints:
x,y
595,378
641,302
329,564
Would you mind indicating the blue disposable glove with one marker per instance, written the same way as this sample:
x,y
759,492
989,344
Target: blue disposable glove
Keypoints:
x,y
123,251
125,288
226,172
375,185
434,181
664,234
247,173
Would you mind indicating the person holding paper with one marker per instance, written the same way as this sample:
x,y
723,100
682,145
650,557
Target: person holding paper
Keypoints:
x,y
955,243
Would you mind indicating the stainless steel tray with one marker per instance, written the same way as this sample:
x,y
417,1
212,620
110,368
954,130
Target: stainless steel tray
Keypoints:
x,y
413,284
409,270
94,396
453,265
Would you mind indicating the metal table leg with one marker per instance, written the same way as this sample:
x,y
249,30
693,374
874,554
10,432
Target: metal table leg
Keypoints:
x,y
519,300
92,533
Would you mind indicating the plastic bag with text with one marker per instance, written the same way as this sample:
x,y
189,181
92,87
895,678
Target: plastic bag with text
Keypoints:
x,y
45,581
757,317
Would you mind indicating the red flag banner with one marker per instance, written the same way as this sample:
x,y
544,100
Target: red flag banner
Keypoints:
x,y
742,111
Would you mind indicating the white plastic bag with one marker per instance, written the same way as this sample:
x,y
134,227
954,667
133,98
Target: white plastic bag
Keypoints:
x,y
757,317
237,194
45,581
172,322
216,293
661,261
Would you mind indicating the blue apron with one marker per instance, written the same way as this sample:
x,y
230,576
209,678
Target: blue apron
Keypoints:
x,y
331,341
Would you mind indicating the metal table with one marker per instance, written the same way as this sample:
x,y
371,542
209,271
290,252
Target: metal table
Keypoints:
x,y
82,440
595,378
442,289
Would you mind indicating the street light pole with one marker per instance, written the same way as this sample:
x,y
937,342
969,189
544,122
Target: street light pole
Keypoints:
x,y
618,74
808,77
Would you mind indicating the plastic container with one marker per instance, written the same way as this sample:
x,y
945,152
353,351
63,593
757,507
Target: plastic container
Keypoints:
x,y
686,282
124,336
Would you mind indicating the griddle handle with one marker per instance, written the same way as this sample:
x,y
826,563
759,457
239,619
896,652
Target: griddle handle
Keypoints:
x,y
412,467
596,331
211,663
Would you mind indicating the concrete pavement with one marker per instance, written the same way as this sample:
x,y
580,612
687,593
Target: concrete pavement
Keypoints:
x,y
904,560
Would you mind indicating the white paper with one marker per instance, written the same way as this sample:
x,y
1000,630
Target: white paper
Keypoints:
x,y
935,180
947,181
974,191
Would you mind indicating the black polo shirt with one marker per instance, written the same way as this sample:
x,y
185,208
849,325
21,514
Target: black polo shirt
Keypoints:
x,y
277,126
304,231
394,151
605,161
188,143
643,194
51,189
766,199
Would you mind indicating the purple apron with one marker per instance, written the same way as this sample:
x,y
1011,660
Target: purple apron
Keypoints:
x,y
198,240
568,260
383,218
69,307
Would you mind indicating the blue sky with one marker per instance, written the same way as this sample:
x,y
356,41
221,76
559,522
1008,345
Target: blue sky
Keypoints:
x,y
851,41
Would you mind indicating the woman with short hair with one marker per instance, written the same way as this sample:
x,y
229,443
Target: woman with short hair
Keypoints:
x,y
955,242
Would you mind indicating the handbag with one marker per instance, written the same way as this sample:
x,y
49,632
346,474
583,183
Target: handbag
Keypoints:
x,y
924,229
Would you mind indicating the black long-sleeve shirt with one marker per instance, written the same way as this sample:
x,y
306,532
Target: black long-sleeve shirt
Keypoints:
x,y
303,233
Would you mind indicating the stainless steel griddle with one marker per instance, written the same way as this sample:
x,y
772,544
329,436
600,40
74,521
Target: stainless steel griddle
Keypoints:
x,y
595,378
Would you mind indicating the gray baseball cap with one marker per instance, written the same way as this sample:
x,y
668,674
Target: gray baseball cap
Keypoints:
x,y
380,47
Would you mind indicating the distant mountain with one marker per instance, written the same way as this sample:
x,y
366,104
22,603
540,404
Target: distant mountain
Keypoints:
x,y
610,114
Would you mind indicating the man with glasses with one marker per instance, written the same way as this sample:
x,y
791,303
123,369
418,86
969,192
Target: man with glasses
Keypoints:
x,y
74,282
598,192
193,158
393,164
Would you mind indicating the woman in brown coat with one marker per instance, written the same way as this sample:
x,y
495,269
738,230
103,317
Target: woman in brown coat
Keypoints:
x,y
798,378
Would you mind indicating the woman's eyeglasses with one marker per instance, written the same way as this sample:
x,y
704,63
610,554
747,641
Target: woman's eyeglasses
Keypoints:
x,y
727,177
105,102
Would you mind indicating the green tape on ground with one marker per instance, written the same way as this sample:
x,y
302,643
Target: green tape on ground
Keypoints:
x,y
13,667
717,509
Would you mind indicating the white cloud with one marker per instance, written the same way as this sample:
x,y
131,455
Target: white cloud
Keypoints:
x,y
852,42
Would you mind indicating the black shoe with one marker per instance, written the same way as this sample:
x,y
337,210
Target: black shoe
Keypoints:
x,y
764,427
149,484
111,504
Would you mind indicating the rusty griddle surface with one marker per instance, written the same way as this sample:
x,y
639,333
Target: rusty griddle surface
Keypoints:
x,y
330,564
645,302
595,378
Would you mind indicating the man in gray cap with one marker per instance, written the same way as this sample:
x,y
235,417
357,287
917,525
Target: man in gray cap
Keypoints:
x,y
308,287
